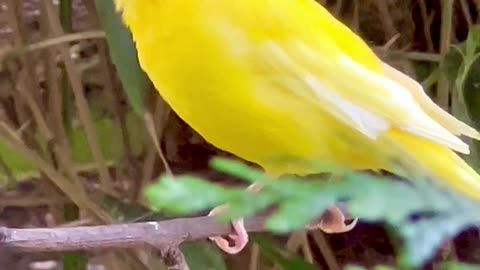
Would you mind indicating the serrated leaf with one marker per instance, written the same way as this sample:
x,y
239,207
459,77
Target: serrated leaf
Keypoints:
x,y
296,211
440,213
247,205
373,207
423,237
187,194
123,54
236,168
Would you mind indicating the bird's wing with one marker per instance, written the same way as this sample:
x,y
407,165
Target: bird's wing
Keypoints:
x,y
451,123
370,101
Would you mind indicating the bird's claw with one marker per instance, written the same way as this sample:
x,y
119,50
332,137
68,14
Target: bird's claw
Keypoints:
x,y
333,221
239,239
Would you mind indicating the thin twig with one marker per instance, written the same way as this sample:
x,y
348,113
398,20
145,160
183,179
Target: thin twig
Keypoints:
x,y
326,250
50,42
254,257
80,100
57,178
466,12
427,23
173,259
307,251
443,91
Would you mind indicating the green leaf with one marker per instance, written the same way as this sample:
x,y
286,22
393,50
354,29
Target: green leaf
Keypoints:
x,y
383,267
452,63
202,256
237,169
109,136
459,266
472,42
291,262
354,267
73,260
461,66
65,14
123,55
374,207
293,213
186,194
422,238
471,90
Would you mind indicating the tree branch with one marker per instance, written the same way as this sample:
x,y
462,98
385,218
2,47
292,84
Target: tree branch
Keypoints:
x,y
159,234
162,234
165,236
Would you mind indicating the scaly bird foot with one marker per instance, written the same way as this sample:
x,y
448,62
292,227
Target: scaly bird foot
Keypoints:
x,y
240,237
332,221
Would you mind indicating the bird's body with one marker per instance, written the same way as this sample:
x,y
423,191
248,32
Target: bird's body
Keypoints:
x,y
267,79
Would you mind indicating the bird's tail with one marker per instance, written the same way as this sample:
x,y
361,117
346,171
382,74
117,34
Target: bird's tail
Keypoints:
x,y
438,161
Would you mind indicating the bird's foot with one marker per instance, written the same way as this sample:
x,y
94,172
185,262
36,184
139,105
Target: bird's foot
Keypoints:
x,y
334,220
233,243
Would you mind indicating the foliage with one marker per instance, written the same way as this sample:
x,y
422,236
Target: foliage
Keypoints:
x,y
202,256
461,66
123,54
290,262
439,214
122,137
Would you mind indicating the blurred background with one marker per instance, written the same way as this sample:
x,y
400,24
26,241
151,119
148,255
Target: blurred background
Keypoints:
x,y
81,125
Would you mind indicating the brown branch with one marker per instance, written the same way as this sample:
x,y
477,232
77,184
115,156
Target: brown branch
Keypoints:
x,y
165,236
162,234
158,234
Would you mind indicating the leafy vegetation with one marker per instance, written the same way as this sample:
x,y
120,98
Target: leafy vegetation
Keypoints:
x,y
439,214
74,101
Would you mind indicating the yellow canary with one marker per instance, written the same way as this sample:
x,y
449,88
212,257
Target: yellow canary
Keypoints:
x,y
283,78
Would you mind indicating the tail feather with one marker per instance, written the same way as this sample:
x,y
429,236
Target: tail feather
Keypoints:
x,y
445,119
439,161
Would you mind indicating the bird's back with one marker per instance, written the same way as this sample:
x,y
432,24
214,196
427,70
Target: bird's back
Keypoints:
x,y
204,65
277,79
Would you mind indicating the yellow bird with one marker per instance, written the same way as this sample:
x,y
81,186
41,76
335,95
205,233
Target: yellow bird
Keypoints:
x,y
264,79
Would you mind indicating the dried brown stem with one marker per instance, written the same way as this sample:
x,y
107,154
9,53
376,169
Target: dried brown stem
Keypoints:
x,y
80,100
162,234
